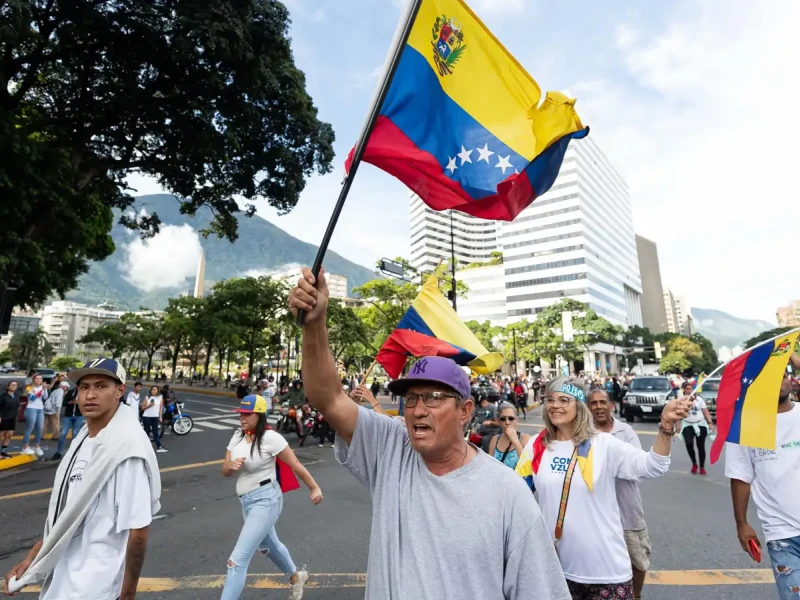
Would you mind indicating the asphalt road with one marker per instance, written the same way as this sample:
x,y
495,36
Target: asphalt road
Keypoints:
x,y
689,517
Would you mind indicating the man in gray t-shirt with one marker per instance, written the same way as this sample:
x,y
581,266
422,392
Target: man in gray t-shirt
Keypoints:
x,y
628,496
425,482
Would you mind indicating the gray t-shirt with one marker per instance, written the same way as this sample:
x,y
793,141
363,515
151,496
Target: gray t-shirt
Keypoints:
x,y
628,496
426,543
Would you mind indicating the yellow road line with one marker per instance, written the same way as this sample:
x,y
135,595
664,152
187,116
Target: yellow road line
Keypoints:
x,y
358,580
164,470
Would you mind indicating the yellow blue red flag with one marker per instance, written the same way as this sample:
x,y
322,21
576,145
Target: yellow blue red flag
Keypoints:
x,y
464,125
431,327
747,403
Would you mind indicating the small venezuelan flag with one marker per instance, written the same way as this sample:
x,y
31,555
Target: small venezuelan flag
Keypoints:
x,y
531,459
464,125
432,328
747,404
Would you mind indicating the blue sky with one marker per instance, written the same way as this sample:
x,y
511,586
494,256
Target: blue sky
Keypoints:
x,y
692,101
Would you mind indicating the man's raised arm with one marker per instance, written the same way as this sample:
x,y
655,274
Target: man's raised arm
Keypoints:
x,y
321,381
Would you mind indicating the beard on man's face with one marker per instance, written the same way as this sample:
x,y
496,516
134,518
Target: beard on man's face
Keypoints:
x,y
784,397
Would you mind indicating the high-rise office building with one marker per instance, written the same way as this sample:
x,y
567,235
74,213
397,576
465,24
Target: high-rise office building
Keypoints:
x,y
679,314
654,314
576,241
474,239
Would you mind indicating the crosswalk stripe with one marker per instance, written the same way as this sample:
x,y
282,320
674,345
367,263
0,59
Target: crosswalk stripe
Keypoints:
x,y
234,422
213,425
224,410
197,430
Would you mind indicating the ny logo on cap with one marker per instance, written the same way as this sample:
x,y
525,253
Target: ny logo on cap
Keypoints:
x,y
420,366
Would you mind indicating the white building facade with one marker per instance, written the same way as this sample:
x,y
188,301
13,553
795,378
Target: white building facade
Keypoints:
x,y
66,322
486,298
576,241
679,313
474,239
337,284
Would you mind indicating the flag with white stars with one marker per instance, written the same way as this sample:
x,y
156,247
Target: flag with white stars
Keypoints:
x,y
747,402
464,125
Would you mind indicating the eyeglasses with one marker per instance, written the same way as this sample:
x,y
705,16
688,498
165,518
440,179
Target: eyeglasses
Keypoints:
x,y
504,419
558,400
430,399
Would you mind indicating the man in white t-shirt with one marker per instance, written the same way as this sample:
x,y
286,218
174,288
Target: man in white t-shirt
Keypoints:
x,y
269,392
628,496
134,398
773,477
105,494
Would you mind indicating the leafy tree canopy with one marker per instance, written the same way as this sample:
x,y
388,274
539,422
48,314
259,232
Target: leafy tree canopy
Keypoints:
x,y
202,96
763,337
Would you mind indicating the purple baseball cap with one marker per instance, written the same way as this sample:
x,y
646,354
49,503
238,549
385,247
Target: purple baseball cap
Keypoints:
x,y
436,370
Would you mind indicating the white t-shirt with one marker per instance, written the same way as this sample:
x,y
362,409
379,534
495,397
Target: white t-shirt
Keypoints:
x,y
592,547
36,397
269,394
93,565
132,399
258,466
774,476
155,410
696,415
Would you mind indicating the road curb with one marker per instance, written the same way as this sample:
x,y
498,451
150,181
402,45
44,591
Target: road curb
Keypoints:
x,y
17,461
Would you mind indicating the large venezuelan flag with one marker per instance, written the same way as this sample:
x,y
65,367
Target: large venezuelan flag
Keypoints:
x,y
432,328
464,125
747,404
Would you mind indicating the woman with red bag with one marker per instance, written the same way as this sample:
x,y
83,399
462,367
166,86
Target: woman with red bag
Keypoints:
x,y
261,459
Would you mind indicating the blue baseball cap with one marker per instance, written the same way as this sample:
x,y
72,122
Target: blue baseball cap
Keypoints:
x,y
434,370
100,366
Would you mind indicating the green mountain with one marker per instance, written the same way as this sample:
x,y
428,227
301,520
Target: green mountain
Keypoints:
x,y
726,330
261,247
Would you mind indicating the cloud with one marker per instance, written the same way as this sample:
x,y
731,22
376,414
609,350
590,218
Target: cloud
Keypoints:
x,y
699,121
164,261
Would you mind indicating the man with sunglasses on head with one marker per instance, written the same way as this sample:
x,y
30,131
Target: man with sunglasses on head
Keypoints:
x,y
425,481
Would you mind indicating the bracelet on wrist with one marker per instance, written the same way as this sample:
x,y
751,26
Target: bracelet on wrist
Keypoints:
x,y
669,431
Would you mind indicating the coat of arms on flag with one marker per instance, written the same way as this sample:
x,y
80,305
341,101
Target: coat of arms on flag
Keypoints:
x,y
448,44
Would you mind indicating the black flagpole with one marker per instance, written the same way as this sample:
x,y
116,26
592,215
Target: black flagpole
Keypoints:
x,y
361,145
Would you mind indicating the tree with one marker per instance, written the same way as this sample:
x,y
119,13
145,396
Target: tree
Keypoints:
x,y
256,306
708,360
487,334
179,323
763,337
388,300
681,355
30,349
346,332
202,96
146,333
114,337
62,363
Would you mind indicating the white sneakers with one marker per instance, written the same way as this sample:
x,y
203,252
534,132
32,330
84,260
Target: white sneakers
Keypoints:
x,y
161,450
28,450
296,589
38,451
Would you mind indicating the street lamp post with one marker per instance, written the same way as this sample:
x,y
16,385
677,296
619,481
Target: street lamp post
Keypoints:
x,y
514,336
452,262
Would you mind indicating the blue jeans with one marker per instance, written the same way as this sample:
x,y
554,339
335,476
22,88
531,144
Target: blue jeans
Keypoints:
x,y
67,423
34,421
785,558
151,427
261,508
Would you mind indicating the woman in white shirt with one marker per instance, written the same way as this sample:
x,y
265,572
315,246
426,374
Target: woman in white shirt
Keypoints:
x,y
695,427
251,455
151,416
570,464
34,415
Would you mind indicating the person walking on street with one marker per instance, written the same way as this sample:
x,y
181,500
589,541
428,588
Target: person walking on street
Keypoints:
x,y
151,417
9,407
34,415
52,410
695,427
72,421
582,512
251,456
521,398
133,398
629,498
507,446
425,481
104,496
773,478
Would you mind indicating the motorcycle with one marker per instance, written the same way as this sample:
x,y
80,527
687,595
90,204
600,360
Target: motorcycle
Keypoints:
x,y
180,422
310,423
287,422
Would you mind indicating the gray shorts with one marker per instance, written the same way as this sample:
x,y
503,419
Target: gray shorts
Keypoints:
x,y
639,549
